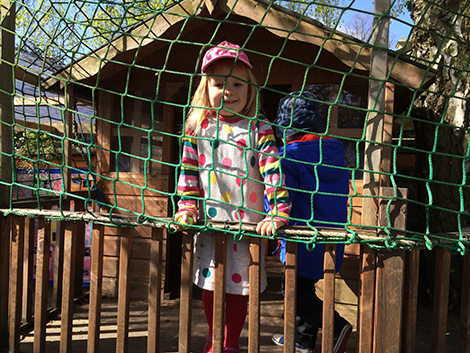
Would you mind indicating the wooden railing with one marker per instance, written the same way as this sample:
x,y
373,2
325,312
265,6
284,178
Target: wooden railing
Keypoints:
x,y
28,311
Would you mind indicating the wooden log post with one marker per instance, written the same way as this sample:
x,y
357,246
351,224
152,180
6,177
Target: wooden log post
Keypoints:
x,y
69,273
441,300
125,256
218,317
96,287
42,279
7,53
155,290
28,267
16,281
184,342
254,303
465,308
290,298
372,165
410,297
328,325
390,274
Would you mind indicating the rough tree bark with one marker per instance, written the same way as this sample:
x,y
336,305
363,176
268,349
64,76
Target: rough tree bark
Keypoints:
x,y
441,40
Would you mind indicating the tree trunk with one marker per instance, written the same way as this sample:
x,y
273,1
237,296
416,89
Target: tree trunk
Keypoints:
x,y
442,112
441,40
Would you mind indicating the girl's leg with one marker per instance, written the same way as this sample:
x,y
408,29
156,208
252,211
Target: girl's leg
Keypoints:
x,y
208,304
235,315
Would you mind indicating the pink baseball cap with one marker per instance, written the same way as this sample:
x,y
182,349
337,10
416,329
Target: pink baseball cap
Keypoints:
x,y
229,50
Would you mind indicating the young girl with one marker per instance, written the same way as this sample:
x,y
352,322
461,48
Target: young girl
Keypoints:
x,y
229,159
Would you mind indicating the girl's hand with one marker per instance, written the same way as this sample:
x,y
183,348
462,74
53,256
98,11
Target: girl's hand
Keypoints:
x,y
267,226
186,217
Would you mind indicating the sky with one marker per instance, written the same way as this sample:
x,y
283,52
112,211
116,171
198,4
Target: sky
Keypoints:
x,y
398,29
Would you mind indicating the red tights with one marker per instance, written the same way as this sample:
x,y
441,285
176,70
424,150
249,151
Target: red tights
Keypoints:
x,y
235,315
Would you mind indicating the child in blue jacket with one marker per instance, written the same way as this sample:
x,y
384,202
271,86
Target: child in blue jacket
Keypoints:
x,y
316,187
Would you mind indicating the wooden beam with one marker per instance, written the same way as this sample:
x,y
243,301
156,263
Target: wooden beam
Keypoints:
x,y
58,265
388,134
441,300
355,55
465,307
328,326
28,282
410,307
16,281
96,287
140,36
7,55
254,297
372,165
125,256
218,317
69,273
366,299
103,132
290,297
5,226
42,284
155,290
184,341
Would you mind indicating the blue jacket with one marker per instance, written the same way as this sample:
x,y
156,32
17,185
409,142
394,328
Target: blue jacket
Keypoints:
x,y
315,180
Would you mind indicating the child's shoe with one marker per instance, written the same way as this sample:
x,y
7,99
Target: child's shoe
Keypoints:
x,y
231,349
208,346
279,340
342,339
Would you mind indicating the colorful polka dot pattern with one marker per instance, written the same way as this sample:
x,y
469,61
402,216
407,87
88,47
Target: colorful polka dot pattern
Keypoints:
x,y
229,169
237,275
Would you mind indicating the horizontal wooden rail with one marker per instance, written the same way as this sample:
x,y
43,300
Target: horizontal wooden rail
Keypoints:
x,y
20,250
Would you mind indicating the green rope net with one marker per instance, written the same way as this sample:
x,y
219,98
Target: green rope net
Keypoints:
x,y
101,91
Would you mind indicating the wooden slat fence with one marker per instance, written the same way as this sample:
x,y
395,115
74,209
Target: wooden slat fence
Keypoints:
x,y
28,310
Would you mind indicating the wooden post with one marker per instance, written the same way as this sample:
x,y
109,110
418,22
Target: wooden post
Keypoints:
x,y
372,164
58,265
465,308
103,133
218,318
16,281
254,307
387,134
28,285
184,342
7,49
69,273
155,290
96,286
290,299
125,256
42,279
4,279
328,326
410,307
441,300
390,275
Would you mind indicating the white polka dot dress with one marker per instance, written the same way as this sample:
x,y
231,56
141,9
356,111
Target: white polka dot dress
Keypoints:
x,y
230,177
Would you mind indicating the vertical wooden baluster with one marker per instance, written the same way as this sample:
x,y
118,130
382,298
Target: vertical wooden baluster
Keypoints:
x,y
155,291
184,342
42,283
96,287
290,300
219,293
16,281
329,298
254,307
125,256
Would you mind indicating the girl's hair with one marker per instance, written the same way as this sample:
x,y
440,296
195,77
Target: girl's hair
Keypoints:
x,y
200,102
